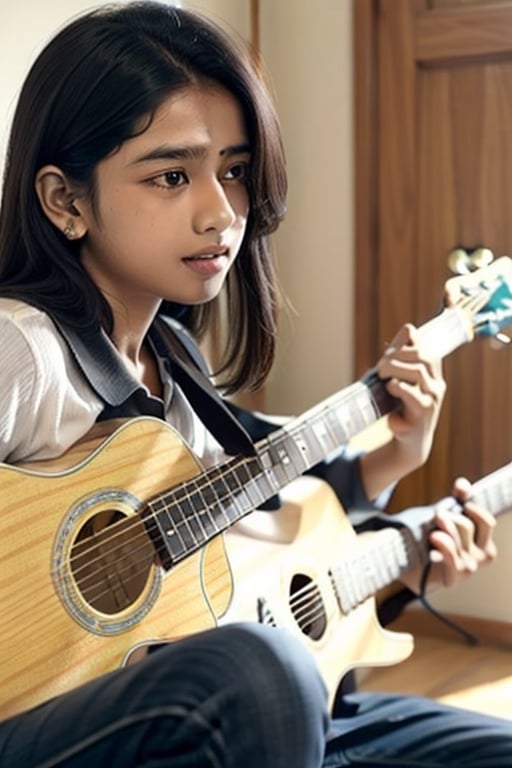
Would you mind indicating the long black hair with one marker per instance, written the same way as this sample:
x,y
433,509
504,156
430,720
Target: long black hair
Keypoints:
x,y
87,93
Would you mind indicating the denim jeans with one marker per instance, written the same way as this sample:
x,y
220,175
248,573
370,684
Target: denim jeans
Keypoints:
x,y
240,696
243,696
394,731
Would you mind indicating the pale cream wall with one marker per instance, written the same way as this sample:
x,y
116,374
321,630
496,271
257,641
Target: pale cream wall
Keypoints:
x,y
25,25
234,14
307,48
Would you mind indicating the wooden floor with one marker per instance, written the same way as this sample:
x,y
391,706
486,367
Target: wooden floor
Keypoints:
x,y
445,667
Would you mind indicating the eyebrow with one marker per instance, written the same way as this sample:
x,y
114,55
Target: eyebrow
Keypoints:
x,y
196,152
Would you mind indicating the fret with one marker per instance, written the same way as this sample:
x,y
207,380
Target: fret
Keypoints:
x,y
212,502
232,498
220,497
325,435
259,487
187,540
152,523
167,539
196,527
191,504
385,558
279,460
380,400
235,491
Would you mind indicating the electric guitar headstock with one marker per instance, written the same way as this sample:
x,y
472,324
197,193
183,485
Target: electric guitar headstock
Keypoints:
x,y
485,296
478,303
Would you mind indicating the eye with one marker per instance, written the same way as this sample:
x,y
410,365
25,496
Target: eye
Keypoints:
x,y
169,179
237,172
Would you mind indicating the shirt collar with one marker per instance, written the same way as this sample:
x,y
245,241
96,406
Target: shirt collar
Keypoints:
x,y
101,364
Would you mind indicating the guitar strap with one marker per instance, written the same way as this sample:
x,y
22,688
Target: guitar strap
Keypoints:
x,y
190,372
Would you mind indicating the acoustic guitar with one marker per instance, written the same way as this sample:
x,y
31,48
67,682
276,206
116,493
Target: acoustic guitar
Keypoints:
x,y
305,570
119,543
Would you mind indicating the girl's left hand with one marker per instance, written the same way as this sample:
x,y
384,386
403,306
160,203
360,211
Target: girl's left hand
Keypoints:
x,y
462,542
417,381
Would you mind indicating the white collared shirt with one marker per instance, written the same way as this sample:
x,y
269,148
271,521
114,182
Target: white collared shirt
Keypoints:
x,y
47,403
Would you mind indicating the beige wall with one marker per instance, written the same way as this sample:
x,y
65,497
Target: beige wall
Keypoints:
x,y
309,55
308,50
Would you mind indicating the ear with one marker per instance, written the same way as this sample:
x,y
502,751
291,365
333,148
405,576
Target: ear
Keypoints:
x,y
59,202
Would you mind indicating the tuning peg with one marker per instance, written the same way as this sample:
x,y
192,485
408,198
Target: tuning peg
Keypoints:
x,y
461,262
481,257
458,261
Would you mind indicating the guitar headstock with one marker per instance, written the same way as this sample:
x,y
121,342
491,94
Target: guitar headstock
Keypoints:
x,y
485,295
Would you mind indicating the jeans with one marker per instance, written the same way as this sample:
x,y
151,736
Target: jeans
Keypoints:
x,y
239,696
243,696
391,731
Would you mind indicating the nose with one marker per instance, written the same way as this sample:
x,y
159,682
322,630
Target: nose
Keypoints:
x,y
213,210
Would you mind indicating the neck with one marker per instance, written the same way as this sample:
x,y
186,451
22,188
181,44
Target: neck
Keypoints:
x,y
129,336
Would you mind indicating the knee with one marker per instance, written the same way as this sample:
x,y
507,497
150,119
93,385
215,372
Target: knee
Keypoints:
x,y
280,686
269,656
264,677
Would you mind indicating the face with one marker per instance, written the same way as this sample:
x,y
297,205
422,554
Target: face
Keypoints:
x,y
172,204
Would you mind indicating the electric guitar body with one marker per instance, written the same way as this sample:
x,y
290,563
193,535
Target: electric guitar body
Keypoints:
x,y
282,577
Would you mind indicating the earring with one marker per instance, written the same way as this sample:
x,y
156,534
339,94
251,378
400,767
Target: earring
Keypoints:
x,y
69,230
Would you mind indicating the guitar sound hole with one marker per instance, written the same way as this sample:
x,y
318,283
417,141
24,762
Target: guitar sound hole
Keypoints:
x,y
307,606
110,560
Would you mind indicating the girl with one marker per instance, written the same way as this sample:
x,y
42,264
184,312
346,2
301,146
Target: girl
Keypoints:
x,y
144,176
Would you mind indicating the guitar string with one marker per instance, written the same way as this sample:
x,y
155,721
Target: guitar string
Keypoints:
x,y
378,555
202,483
307,604
320,420
207,485
318,610
185,520
96,579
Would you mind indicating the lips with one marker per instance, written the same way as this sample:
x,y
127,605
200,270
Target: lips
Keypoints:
x,y
209,252
202,257
207,264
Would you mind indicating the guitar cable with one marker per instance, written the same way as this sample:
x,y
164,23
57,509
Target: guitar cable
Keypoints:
x,y
469,637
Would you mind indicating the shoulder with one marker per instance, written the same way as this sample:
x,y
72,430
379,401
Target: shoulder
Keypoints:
x,y
23,318
42,392
31,342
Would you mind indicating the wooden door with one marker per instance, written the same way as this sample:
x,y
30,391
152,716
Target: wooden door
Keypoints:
x,y
433,84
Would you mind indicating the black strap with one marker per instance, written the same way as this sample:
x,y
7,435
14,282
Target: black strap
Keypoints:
x,y
205,399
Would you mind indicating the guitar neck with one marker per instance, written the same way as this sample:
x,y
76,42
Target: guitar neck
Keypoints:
x,y
184,519
392,552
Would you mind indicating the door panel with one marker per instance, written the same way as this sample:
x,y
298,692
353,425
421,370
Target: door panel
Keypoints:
x,y
434,101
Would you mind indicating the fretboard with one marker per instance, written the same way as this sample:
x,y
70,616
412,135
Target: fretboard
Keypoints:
x,y
390,553
188,516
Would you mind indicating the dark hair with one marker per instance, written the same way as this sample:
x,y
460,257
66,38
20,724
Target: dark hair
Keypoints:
x,y
83,97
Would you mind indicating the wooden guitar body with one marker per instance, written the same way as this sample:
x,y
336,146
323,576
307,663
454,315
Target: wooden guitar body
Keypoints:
x,y
44,649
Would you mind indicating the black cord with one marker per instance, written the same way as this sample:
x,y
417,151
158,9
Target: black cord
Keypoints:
x,y
468,636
